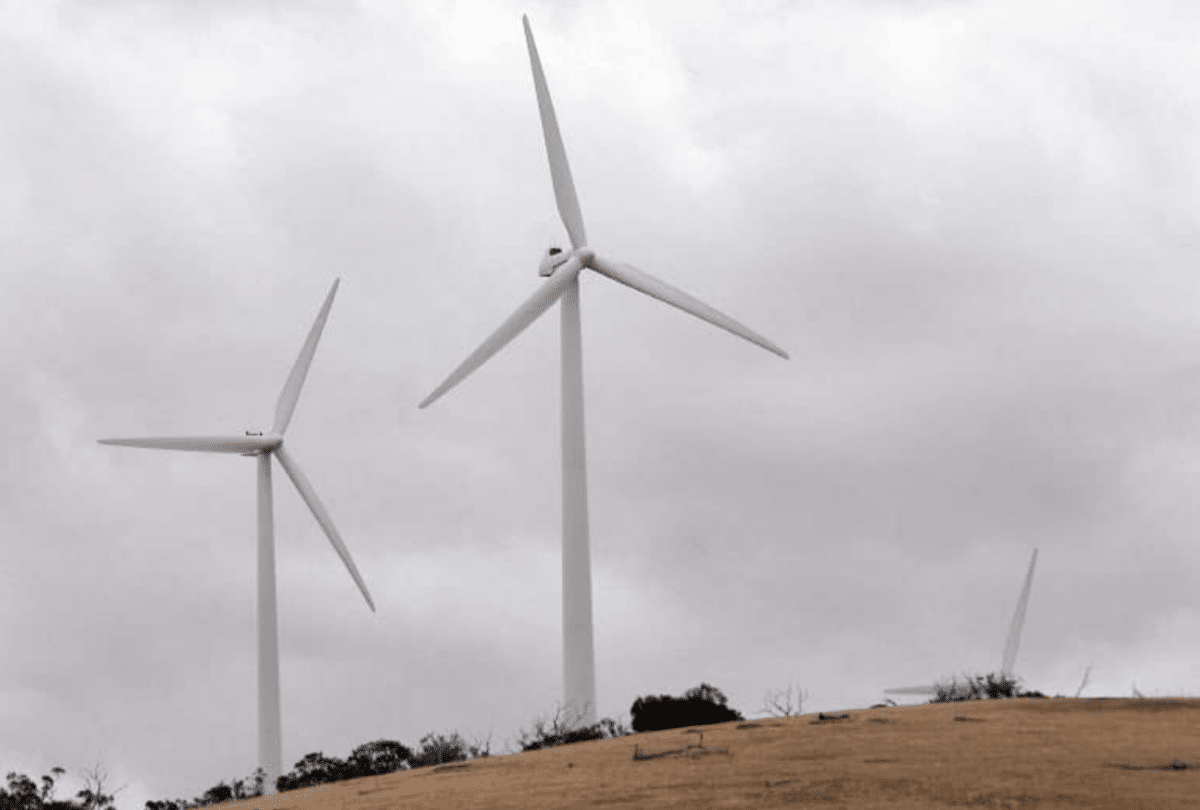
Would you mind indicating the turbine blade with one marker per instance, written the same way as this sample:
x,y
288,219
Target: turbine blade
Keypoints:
x,y
912,690
560,171
527,313
295,381
318,509
656,288
202,444
1018,622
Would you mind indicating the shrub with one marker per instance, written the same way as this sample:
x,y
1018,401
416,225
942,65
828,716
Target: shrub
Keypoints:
x,y
377,758
558,730
369,759
702,705
954,690
217,794
993,686
312,769
437,749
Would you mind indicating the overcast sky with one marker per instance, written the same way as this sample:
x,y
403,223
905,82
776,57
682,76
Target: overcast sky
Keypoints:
x,y
974,226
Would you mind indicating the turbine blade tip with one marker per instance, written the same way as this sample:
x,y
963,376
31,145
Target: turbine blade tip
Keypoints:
x,y
366,595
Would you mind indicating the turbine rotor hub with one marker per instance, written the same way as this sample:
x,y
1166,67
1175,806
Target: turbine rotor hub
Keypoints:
x,y
265,450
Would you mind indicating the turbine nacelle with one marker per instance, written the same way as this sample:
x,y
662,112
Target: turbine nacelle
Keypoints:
x,y
556,257
553,259
265,449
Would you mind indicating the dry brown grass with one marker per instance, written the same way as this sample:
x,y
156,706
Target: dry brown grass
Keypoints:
x,y
1004,753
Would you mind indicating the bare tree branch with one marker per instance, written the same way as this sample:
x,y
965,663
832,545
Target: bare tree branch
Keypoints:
x,y
786,703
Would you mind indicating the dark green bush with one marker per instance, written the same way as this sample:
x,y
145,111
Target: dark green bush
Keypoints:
x,y
377,758
700,706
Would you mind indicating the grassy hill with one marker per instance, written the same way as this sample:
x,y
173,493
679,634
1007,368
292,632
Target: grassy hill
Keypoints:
x,y
1103,753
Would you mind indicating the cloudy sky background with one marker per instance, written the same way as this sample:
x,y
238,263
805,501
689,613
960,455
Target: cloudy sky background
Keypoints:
x,y
973,225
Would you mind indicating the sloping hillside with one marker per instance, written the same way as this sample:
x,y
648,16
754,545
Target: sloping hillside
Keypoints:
x,y
1006,753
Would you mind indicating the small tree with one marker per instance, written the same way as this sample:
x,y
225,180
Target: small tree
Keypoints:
x,y
47,793
93,797
24,794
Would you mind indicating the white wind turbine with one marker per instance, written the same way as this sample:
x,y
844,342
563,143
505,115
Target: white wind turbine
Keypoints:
x,y
1010,644
563,269
270,737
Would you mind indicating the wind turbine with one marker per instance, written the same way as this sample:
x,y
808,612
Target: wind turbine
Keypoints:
x,y
1010,644
270,735
563,270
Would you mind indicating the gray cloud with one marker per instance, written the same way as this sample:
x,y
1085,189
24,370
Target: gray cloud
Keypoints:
x,y
972,225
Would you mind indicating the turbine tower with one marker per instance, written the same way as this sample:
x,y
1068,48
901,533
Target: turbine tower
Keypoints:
x,y
270,735
563,270
1010,644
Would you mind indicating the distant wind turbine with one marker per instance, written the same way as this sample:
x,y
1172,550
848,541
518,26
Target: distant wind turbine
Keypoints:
x,y
270,736
1011,644
563,270
1086,674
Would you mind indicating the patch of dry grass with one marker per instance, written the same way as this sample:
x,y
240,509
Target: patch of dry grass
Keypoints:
x,y
1012,753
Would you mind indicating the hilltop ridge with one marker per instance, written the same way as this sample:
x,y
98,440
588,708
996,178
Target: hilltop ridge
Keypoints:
x,y
1098,752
